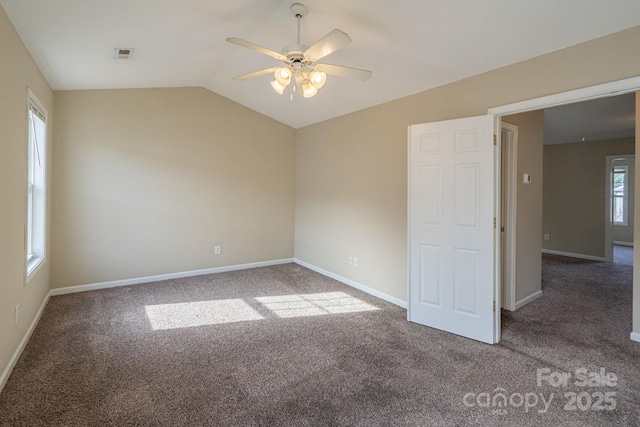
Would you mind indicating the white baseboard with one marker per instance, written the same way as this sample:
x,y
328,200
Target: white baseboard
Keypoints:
x,y
23,343
526,300
157,278
635,336
616,242
572,255
353,284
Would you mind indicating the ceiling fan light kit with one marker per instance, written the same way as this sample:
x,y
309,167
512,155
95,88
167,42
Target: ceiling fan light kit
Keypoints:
x,y
299,61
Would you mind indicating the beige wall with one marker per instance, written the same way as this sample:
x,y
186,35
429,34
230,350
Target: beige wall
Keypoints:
x,y
351,199
624,233
148,181
529,202
351,171
17,73
575,192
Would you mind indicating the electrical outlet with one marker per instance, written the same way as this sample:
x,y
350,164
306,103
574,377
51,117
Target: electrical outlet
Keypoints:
x,y
355,261
546,236
217,250
17,313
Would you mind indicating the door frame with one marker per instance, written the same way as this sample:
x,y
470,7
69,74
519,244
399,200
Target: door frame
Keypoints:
x,y
604,90
508,207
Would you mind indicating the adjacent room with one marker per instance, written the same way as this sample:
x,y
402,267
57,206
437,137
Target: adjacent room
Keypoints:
x,y
209,213
589,179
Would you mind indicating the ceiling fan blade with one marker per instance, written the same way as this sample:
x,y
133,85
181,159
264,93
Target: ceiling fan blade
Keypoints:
x,y
339,70
256,73
333,41
257,48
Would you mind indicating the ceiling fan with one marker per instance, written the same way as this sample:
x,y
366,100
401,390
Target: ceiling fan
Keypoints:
x,y
300,61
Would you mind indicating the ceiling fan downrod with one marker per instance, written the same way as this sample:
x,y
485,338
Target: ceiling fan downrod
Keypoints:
x,y
298,17
299,11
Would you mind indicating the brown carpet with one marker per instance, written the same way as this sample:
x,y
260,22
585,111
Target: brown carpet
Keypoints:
x,y
623,254
285,346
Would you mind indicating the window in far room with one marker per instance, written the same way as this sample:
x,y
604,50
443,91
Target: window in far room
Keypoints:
x,y
36,194
620,195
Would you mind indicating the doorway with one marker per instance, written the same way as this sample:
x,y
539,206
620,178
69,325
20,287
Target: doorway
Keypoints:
x,y
469,293
601,91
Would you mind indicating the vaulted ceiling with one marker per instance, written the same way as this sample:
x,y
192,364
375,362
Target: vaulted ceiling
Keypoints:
x,y
409,45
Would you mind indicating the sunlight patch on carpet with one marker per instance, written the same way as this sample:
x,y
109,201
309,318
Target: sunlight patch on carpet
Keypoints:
x,y
216,312
199,313
314,304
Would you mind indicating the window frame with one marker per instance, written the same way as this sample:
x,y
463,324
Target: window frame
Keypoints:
x,y
36,186
624,169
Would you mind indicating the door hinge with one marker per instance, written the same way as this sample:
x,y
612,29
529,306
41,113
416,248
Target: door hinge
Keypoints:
x,y
494,306
494,222
502,229
495,139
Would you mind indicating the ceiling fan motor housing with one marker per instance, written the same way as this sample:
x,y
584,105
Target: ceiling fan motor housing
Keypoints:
x,y
295,53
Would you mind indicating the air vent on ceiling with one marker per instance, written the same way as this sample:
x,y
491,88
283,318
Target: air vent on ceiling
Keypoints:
x,y
125,53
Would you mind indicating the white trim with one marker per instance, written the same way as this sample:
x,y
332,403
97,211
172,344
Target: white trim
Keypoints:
x,y
23,343
157,278
609,206
497,235
610,225
625,211
509,204
572,255
594,92
33,266
526,300
36,108
635,336
608,209
408,195
33,99
353,284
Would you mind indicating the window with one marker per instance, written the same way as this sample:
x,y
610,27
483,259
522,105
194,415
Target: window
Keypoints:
x,y
36,195
620,195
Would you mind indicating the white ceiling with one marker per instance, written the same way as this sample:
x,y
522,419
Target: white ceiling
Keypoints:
x,y
600,119
410,45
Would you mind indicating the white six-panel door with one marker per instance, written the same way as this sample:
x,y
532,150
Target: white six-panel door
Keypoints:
x,y
451,226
